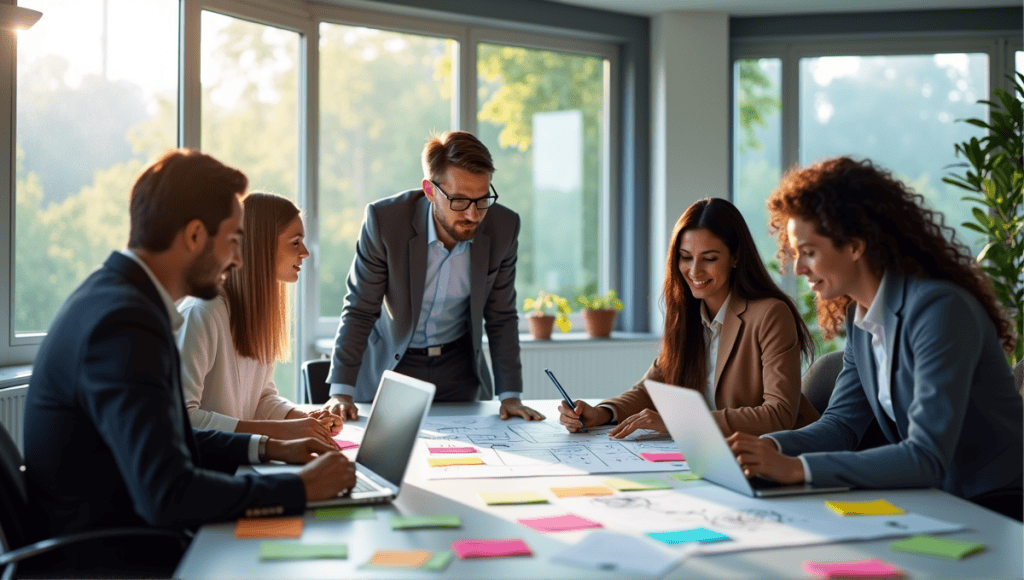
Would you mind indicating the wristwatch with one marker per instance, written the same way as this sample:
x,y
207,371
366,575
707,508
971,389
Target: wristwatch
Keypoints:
x,y
261,450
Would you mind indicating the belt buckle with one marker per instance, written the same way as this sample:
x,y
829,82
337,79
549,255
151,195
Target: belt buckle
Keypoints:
x,y
433,351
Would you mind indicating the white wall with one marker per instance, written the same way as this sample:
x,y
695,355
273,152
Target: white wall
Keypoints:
x,y
690,123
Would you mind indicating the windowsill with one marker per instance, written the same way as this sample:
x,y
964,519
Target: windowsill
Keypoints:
x,y
325,346
15,376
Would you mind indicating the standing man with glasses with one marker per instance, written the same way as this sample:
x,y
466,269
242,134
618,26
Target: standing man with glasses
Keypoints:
x,y
434,268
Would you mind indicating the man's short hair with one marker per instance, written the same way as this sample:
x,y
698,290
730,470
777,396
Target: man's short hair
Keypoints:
x,y
457,148
181,186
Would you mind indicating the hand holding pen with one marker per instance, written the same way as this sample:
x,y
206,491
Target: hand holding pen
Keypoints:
x,y
576,416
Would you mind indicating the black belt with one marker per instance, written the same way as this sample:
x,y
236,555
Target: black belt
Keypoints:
x,y
439,349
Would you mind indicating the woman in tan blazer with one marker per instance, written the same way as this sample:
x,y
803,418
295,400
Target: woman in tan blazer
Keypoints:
x,y
730,333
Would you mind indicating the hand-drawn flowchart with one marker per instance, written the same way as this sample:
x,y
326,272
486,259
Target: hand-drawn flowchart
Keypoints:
x,y
517,448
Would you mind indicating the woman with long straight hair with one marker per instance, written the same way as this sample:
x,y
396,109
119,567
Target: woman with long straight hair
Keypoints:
x,y
925,350
229,344
730,333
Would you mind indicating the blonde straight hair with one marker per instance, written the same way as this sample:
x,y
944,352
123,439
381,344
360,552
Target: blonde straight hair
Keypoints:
x,y
257,300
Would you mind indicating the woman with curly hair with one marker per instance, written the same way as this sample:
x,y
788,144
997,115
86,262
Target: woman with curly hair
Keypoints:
x,y
730,333
925,352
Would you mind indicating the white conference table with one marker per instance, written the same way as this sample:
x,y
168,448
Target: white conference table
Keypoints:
x,y
215,553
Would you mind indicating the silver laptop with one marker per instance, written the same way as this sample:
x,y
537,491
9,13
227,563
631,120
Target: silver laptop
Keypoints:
x,y
395,420
695,432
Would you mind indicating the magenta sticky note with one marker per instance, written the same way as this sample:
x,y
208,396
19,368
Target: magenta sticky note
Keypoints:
x,y
452,449
656,457
343,445
490,548
856,569
564,523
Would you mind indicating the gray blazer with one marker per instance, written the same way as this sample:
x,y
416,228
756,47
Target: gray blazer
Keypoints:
x,y
385,294
958,416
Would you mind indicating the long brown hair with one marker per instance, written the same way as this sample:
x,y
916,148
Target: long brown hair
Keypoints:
x,y
683,358
257,300
848,199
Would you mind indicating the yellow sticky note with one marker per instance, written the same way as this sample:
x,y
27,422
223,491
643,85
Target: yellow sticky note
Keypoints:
x,y
512,497
400,558
878,507
268,528
581,491
449,461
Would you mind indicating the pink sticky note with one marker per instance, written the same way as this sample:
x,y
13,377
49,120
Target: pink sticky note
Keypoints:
x,y
560,523
857,569
343,445
452,449
490,548
656,457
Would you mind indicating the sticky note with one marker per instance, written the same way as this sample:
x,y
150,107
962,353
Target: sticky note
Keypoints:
x,y
858,569
345,513
685,476
268,528
934,546
583,491
399,522
512,497
452,449
343,445
400,558
438,562
659,457
620,484
490,548
684,536
449,461
284,550
564,523
878,507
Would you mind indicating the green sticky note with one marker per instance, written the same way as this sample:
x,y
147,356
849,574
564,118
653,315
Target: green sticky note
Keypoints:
x,y
345,513
685,476
933,546
400,522
438,562
512,497
280,550
621,484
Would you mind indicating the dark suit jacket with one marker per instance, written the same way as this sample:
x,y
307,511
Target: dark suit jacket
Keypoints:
x,y
385,294
757,373
958,415
107,439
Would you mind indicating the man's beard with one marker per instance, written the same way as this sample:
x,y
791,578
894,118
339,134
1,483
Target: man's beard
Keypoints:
x,y
203,276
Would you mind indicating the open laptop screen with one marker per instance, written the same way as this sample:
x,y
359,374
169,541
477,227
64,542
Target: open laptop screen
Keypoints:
x,y
393,425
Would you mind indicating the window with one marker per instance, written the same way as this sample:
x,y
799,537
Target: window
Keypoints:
x,y
542,115
76,162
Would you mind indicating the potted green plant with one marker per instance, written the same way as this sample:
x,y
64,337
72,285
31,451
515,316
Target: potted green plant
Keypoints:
x,y
994,176
599,311
546,311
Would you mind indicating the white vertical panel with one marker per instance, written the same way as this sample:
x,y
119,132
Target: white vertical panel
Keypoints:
x,y
12,412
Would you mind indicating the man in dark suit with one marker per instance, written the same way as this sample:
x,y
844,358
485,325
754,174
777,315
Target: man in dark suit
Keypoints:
x,y
107,438
434,268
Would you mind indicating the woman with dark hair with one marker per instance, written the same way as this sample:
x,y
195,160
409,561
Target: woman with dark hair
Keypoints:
x,y
229,344
925,349
730,333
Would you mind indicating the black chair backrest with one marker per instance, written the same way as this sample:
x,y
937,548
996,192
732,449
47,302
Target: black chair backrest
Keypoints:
x,y
14,516
820,379
314,379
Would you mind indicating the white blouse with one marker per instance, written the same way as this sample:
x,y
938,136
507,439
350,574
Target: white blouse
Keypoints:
x,y
220,386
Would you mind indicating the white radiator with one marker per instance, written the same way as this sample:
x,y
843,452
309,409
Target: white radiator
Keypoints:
x,y
12,412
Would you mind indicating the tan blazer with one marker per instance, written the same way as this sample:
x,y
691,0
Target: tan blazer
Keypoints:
x,y
757,375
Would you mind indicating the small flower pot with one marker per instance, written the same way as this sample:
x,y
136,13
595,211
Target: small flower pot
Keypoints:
x,y
599,323
541,326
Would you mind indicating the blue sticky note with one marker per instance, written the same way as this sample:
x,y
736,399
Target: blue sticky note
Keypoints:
x,y
684,536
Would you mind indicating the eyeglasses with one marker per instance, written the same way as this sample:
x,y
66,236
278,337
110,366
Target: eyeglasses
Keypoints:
x,y
463,203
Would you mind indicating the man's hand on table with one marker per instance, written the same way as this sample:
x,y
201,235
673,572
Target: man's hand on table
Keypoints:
x,y
512,407
342,406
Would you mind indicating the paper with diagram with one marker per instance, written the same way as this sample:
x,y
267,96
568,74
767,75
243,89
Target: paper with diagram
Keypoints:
x,y
518,448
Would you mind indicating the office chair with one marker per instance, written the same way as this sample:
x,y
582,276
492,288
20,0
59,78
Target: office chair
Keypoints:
x,y
314,381
16,531
818,383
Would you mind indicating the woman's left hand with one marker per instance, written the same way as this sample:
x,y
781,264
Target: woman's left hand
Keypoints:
x,y
332,422
646,419
760,456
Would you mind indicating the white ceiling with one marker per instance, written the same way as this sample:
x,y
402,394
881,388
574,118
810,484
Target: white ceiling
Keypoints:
x,y
766,7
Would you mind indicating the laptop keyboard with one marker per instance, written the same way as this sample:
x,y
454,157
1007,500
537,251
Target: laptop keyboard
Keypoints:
x,y
363,484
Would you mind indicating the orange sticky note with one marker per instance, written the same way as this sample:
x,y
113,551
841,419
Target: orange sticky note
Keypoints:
x,y
449,461
400,558
268,528
581,491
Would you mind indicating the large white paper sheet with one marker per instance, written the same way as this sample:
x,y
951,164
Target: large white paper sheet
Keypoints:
x,y
750,523
519,448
